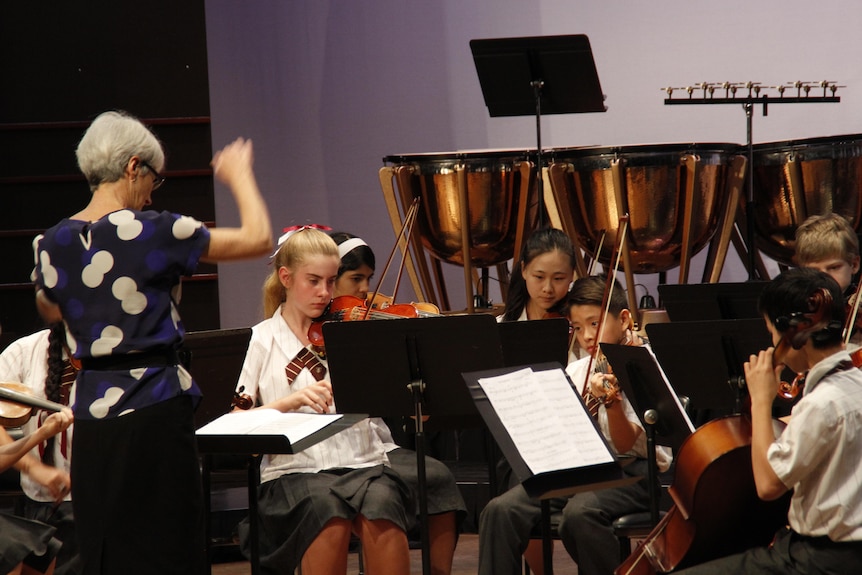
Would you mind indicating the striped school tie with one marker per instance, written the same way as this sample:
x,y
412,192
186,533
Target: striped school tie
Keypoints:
x,y
305,359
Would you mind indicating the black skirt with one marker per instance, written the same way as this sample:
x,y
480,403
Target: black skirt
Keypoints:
x,y
136,492
294,508
23,540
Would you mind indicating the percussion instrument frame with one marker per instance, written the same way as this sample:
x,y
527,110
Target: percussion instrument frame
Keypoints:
x,y
755,265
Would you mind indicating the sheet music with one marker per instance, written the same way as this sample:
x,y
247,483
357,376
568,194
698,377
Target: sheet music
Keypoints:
x,y
546,420
294,426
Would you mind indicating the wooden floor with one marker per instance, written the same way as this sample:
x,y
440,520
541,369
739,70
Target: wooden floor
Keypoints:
x,y
465,562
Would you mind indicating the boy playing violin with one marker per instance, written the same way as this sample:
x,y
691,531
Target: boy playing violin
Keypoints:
x,y
586,524
817,455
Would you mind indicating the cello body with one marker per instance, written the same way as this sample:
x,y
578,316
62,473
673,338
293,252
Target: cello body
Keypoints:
x,y
716,509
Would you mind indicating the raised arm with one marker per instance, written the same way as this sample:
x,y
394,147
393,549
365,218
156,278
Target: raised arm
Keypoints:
x,y
233,166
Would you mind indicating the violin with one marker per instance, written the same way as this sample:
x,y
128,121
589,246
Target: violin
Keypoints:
x,y
352,308
17,404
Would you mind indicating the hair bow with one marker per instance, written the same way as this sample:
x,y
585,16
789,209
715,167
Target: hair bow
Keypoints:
x,y
289,231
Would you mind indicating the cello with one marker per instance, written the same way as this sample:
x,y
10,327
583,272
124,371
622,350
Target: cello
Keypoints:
x,y
716,510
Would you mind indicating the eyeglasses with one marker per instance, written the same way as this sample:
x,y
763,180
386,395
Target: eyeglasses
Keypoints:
x,y
158,179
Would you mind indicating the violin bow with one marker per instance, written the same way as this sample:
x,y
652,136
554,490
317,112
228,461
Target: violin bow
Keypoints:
x,y
404,234
851,317
28,400
595,259
609,286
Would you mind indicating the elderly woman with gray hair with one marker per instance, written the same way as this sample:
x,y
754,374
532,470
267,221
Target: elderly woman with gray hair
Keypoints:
x,y
112,273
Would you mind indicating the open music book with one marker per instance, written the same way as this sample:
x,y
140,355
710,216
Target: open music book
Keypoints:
x,y
545,431
296,427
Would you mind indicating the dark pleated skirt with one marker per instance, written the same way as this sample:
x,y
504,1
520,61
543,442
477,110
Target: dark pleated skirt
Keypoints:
x,y
294,508
23,540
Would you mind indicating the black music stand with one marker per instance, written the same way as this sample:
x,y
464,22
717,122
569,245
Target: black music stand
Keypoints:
x,y
700,302
703,359
538,75
214,359
532,342
656,403
411,367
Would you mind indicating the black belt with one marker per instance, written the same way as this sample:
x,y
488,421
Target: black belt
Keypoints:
x,y
161,357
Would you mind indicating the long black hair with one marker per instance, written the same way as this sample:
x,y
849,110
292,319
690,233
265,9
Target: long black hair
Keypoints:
x,y
540,242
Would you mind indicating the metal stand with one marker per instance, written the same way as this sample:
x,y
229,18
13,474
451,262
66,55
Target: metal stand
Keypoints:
x,y
748,102
516,74
417,389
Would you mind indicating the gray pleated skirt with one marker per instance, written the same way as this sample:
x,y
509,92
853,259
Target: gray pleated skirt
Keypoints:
x,y
294,508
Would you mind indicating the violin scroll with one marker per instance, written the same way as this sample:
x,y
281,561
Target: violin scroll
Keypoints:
x,y
796,330
241,400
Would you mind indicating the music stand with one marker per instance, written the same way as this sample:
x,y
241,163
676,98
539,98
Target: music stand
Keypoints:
x,y
655,402
214,359
538,75
699,302
703,359
411,367
533,342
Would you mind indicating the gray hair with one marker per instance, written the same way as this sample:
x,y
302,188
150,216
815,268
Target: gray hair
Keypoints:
x,y
108,144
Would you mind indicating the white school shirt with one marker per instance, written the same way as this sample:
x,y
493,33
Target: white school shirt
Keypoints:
x,y
273,345
25,361
819,454
578,373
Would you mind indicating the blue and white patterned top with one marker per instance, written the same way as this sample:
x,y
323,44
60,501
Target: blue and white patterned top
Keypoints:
x,y
117,282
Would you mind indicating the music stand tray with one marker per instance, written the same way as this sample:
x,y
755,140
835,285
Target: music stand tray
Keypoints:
x,y
508,68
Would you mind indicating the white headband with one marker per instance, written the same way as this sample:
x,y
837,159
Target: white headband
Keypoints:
x,y
347,246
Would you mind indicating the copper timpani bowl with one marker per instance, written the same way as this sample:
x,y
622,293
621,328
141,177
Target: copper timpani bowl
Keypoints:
x,y
796,179
674,194
493,182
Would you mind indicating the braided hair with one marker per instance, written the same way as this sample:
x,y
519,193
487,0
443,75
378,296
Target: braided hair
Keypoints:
x,y
56,366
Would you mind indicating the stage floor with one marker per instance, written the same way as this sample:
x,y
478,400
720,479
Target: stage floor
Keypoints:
x,y
465,563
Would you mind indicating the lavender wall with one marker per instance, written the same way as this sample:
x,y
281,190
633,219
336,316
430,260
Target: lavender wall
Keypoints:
x,y
327,88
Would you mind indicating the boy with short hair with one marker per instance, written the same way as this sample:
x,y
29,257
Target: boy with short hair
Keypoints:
x,y
829,243
586,524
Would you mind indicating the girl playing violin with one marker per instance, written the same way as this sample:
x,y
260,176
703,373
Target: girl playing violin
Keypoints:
x,y
28,546
540,280
817,455
585,527
312,501
41,361
444,498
